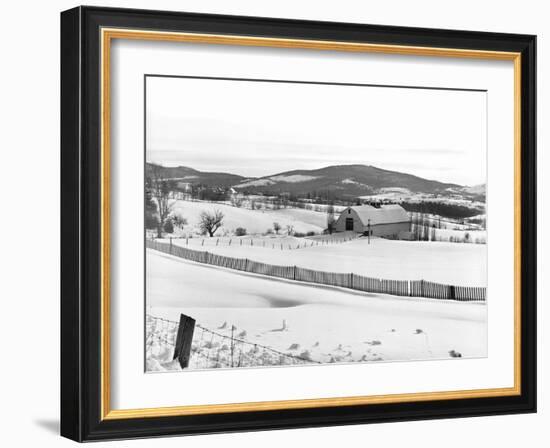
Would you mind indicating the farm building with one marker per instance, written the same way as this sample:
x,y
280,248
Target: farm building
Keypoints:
x,y
386,220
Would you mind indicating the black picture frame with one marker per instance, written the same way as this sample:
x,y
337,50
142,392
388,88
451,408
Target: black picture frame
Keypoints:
x,y
81,224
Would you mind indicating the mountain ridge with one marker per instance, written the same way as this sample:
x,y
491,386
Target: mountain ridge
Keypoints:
x,y
342,180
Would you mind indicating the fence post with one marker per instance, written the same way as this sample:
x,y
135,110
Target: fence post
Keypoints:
x,y
351,280
170,245
232,343
182,352
452,292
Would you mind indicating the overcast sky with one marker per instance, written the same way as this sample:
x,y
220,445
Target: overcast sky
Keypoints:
x,y
261,128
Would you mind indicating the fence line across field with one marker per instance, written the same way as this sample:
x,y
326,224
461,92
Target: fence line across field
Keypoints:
x,y
411,288
203,348
306,242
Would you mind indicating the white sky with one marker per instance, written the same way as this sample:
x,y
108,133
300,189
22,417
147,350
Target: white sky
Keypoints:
x,y
261,128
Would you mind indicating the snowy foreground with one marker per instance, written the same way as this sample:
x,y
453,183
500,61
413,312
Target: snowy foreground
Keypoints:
x,y
324,324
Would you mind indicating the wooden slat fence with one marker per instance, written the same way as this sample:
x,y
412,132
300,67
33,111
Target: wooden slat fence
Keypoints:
x,y
367,284
396,287
412,288
226,262
325,278
270,269
470,293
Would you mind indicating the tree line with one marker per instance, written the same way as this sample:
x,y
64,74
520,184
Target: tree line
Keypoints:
x,y
454,211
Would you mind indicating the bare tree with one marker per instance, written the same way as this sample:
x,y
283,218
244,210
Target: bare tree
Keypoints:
x,y
178,220
209,222
290,229
151,220
160,189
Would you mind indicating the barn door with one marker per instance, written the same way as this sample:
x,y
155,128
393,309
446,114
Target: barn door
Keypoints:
x,y
349,223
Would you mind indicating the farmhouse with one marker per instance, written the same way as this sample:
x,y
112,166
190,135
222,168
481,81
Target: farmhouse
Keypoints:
x,y
386,220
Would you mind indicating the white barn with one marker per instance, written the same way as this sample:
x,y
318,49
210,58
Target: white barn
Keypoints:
x,y
385,221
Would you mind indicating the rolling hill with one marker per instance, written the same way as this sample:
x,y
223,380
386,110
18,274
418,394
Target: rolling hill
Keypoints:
x,y
345,181
192,176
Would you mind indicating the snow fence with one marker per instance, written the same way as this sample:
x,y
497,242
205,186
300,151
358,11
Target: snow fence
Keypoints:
x,y
410,288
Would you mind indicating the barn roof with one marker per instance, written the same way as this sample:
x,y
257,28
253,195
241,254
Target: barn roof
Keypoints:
x,y
386,214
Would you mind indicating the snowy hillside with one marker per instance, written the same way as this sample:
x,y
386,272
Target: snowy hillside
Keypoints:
x,y
255,221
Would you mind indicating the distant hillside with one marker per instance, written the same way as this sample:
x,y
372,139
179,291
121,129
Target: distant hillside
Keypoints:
x,y
343,180
476,189
190,175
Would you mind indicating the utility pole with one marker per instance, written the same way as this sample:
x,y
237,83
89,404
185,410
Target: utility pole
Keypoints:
x,y
368,230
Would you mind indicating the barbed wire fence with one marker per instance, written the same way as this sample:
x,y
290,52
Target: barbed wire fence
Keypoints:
x,y
220,348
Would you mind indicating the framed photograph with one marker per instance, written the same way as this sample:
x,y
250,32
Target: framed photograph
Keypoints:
x,y
272,223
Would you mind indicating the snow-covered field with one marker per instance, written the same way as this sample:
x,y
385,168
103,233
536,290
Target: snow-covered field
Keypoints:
x,y
450,224
472,236
260,222
442,262
324,323
254,221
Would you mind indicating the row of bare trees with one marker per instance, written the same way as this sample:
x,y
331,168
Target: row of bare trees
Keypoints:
x,y
158,204
421,228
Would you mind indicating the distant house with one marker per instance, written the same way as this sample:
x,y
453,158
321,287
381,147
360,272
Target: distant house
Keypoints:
x,y
386,220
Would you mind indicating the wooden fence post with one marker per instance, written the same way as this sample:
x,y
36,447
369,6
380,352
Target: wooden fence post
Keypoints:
x,y
182,352
232,343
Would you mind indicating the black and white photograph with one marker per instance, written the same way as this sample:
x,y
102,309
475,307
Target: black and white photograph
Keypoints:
x,y
299,223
